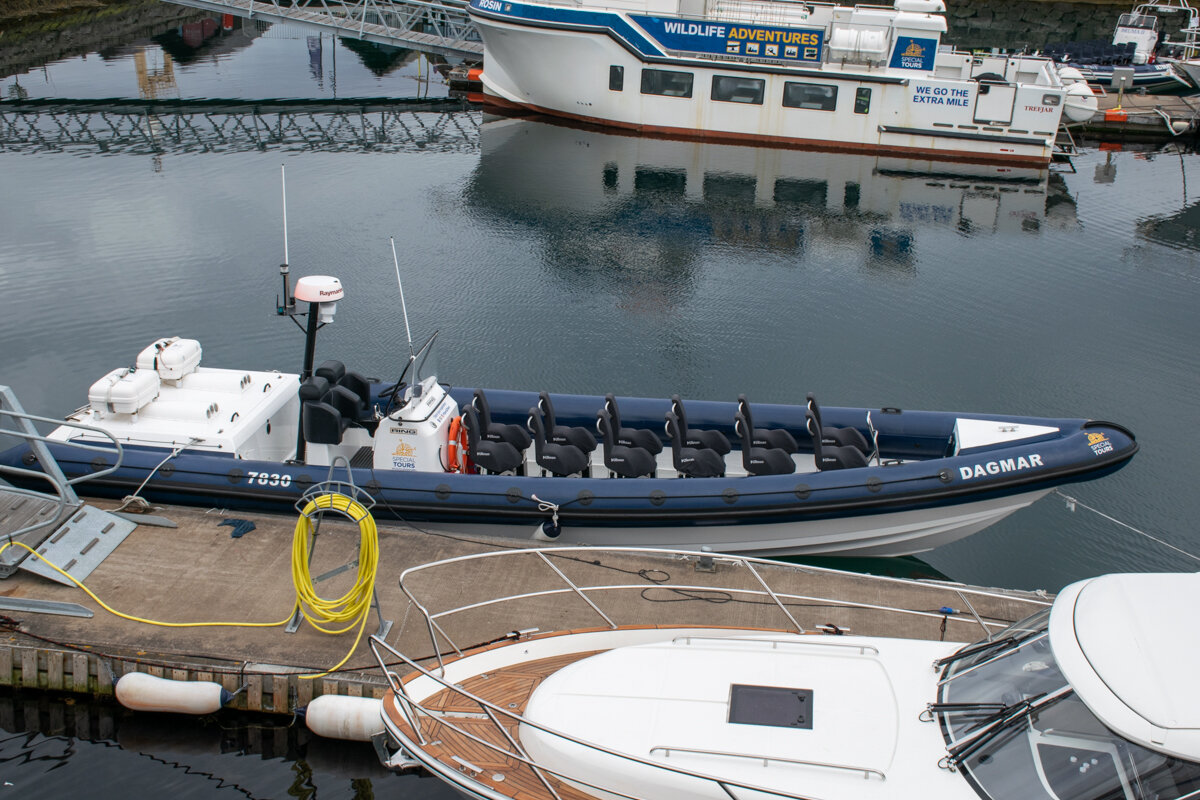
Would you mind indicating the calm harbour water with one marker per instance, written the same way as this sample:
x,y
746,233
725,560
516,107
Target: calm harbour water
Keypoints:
x,y
575,261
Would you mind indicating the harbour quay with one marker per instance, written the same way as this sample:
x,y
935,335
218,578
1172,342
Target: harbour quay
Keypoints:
x,y
225,566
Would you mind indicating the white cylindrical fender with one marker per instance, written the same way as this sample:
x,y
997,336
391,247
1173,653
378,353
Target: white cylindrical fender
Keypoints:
x,y
334,716
1080,103
141,692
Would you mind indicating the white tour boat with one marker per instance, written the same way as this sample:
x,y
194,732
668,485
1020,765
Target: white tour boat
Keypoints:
x,y
1088,697
863,78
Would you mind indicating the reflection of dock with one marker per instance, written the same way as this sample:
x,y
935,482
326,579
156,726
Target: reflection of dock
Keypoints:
x,y
133,126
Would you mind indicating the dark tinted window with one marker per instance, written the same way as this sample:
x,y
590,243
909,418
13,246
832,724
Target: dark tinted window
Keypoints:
x,y
616,78
738,90
810,95
671,84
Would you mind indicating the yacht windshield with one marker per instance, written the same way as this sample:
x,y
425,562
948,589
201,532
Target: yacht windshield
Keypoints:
x,y
1015,729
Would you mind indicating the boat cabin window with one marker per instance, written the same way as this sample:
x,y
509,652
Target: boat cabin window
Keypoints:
x,y
810,95
738,90
1137,21
862,100
1059,750
616,78
667,83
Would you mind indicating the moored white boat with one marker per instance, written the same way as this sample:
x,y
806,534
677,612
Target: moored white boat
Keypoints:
x,y
865,78
1087,697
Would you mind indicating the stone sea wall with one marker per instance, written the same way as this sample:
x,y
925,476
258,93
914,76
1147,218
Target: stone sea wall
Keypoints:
x,y
1033,23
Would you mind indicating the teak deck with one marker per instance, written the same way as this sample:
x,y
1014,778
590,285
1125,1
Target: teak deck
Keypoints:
x,y
511,688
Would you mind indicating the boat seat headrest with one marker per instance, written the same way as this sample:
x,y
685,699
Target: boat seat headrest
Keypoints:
x,y
357,384
331,371
313,389
345,401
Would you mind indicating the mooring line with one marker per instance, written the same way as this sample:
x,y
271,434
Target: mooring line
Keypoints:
x,y
1072,502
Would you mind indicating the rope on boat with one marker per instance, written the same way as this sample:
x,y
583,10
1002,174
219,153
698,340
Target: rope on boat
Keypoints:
x,y
133,502
1073,502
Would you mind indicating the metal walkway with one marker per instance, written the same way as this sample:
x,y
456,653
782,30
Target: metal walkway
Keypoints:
x,y
162,127
433,26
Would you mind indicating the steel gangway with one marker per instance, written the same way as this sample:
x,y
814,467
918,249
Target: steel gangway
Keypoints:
x,y
156,128
431,26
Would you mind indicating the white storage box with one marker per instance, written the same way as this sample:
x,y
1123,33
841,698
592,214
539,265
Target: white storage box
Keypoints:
x,y
172,358
123,391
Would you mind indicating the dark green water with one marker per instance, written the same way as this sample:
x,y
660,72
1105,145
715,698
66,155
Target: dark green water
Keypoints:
x,y
579,262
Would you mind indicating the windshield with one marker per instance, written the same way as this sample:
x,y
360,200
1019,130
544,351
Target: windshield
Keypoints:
x,y
1024,734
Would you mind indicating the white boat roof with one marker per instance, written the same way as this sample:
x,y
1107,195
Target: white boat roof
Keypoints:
x,y
208,409
1122,646
658,701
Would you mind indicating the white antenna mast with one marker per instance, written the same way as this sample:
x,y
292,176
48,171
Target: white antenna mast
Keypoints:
x,y
411,355
289,305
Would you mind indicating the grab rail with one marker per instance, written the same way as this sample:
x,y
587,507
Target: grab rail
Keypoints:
x,y
867,771
413,712
861,648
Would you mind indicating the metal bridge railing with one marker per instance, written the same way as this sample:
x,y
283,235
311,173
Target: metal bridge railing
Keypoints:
x,y
436,26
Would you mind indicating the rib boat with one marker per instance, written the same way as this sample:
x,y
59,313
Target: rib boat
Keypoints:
x,y
732,475
1140,47
872,79
800,684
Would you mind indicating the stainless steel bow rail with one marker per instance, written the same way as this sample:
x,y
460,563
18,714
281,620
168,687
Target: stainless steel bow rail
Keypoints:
x,y
436,26
548,582
941,595
230,126
54,522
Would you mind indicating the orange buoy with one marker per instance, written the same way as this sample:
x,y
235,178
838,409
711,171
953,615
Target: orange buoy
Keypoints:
x,y
1115,115
475,74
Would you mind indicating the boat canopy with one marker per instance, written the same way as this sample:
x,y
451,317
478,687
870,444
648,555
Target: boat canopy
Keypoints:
x,y
1121,644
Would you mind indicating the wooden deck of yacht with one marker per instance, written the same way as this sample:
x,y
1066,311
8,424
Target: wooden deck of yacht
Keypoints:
x,y
455,738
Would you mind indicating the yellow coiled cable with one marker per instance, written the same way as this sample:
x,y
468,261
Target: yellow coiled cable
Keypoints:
x,y
354,605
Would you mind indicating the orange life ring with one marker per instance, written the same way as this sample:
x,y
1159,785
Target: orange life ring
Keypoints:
x,y
457,431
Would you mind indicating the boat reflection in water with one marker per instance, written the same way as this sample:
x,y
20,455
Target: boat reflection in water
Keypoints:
x,y
651,204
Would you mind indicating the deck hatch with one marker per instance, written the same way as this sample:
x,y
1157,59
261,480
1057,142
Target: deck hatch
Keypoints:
x,y
777,706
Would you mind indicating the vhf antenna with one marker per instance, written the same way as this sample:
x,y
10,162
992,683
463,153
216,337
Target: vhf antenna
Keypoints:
x,y
289,304
411,355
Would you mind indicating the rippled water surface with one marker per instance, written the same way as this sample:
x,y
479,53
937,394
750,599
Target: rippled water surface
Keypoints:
x,y
556,258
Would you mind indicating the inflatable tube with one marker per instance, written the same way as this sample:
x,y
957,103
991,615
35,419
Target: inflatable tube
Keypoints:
x,y
141,692
354,719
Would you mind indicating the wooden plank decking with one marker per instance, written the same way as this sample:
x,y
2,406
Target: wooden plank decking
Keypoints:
x,y
509,688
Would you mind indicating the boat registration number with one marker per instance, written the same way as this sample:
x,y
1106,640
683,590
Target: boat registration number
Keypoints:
x,y
269,479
